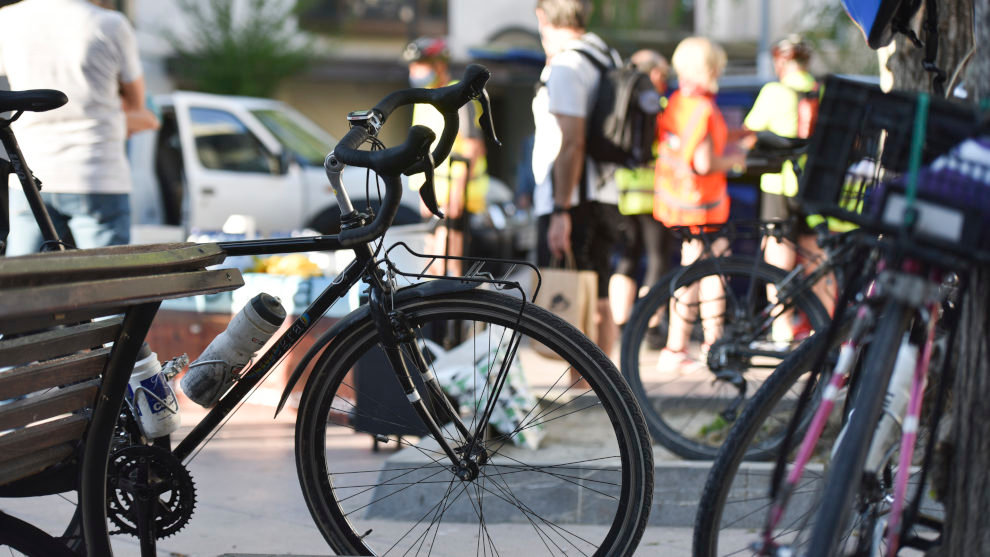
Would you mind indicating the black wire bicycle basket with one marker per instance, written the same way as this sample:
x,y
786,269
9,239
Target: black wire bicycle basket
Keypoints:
x,y
859,157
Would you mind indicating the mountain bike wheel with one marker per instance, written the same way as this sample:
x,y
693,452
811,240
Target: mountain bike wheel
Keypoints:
x,y
691,410
586,489
854,502
736,497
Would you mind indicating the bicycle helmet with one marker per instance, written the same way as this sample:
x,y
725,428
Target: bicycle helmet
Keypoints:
x,y
426,48
792,48
880,19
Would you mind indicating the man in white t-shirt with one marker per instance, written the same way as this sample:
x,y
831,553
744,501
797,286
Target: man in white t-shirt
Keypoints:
x,y
569,220
77,151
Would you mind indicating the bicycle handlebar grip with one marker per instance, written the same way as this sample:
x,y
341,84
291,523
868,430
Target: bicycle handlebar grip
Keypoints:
x,y
388,162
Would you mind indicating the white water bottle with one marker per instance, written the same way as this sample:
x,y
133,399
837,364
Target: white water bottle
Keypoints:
x,y
214,371
894,405
150,397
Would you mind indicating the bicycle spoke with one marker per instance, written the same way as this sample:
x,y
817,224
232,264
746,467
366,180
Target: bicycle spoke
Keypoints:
x,y
506,474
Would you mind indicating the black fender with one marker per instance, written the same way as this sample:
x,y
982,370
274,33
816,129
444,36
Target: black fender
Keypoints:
x,y
431,289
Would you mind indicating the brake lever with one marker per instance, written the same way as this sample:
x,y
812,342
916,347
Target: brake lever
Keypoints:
x,y
487,124
428,192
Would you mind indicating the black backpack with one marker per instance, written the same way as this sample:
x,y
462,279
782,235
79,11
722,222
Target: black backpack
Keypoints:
x,y
623,119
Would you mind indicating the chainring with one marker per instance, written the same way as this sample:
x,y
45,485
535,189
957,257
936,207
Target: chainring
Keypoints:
x,y
168,482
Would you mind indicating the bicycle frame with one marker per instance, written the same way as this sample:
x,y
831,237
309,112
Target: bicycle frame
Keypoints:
x,y
398,346
921,296
264,365
32,191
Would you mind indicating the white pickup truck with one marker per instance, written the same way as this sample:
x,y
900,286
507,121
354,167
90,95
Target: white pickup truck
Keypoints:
x,y
216,156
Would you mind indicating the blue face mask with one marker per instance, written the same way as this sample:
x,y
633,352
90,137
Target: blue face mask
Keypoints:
x,y
424,80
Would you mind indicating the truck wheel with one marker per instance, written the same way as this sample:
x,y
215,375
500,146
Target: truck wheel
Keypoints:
x,y
328,220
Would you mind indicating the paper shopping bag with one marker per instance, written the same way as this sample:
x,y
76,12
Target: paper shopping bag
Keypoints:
x,y
571,295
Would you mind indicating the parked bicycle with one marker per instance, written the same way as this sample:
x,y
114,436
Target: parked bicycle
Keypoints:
x,y
690,410
498,449
853,474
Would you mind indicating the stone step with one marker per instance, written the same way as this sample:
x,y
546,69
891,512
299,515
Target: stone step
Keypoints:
x,y
564,498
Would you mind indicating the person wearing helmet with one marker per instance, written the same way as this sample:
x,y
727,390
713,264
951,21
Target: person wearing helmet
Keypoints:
x,y
788,108
461,181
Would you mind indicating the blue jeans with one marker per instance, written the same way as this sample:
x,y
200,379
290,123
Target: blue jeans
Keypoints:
x,y
82,220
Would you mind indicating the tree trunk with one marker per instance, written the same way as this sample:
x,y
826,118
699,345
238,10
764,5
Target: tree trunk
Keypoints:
x,y
967,531
904,60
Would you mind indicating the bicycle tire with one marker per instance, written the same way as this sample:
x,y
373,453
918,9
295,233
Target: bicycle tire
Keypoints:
x,y
846,471
689,436
616,501
29,540
708,525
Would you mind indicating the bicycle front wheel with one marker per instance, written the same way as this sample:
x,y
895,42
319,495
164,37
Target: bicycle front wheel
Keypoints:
x,y
566,469
690,410
736,497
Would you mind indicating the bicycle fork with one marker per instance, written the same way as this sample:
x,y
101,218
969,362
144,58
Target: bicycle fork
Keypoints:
x,y
399,342
909,433
847,357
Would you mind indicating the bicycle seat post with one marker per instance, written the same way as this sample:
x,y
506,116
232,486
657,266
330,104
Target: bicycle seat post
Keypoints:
x,y
32,191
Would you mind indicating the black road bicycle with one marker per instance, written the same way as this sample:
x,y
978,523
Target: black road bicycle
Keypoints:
x,y
468,486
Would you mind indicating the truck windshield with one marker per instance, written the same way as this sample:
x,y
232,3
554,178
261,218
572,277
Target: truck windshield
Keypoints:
x,y
312,145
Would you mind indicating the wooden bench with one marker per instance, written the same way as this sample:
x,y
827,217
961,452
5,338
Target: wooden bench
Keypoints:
x,y
72,324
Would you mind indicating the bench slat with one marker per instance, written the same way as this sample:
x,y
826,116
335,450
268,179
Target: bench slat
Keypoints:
x,y
28,379
17,303
33,463
49,344
111,262
52,404
67,318
23,442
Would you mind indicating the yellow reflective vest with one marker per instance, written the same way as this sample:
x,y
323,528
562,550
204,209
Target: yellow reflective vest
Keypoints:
x,y
477,186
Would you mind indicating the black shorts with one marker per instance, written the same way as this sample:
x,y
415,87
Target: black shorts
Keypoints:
x,y
594,231
643,235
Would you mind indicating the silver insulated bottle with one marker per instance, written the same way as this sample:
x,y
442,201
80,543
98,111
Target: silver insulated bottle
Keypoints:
x,y
215,370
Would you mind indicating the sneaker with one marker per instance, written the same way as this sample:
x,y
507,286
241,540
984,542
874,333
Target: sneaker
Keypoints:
x,y
781,330
802,327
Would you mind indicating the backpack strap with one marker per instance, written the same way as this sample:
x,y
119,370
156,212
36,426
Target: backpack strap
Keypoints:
x,y
602,70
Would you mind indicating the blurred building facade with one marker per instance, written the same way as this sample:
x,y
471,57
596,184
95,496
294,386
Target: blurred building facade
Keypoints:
x,y
359,42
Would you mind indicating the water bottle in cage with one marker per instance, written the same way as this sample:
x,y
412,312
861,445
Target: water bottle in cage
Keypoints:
x,y
215,370
151,399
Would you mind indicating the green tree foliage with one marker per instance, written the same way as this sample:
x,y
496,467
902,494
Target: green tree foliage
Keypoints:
x,y
835,39
245,51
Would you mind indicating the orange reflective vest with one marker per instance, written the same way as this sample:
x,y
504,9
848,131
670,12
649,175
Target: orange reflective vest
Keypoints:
x,y
684,198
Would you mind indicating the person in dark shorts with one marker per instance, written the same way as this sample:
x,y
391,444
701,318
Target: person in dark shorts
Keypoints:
x,y
639,233
575,197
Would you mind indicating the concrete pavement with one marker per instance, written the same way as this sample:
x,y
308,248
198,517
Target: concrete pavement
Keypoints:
x,y
249,501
